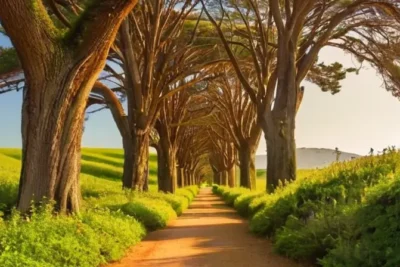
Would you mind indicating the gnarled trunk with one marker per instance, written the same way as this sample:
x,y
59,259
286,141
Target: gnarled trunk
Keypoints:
x,y
247,166
281,149
52,126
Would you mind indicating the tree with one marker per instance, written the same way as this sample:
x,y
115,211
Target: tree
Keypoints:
x,y
155,56
237,117
173,111
290,34
222,158
60,65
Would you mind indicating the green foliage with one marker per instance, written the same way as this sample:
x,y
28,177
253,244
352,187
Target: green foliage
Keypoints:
x,y
374,238
243,201
8,60
48,240
178,203
115,231
153,213
111,219
188,192
344,215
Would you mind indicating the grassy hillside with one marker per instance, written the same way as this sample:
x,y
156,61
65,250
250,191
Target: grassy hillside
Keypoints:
x,y
111,220
101,173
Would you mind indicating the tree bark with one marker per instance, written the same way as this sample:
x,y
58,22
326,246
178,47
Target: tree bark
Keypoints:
x,y
168,150
60,70
187,178
281,149
181,177
51,135
247,166
232,176
140,150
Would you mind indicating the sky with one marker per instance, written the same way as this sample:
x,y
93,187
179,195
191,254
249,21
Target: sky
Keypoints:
x,y
361,116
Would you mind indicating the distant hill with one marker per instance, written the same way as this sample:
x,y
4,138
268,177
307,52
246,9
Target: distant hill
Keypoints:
x,y
310,158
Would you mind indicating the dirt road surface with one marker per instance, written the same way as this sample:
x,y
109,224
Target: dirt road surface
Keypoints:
x,y
208,234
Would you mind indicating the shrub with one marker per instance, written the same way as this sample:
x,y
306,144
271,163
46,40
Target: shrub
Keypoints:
x,y
188,192
243,201
115,230
48,240
153,213
374,239
178,202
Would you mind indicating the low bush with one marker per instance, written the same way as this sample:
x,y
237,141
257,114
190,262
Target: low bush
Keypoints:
x,y
344,215
153,213
178,202
242,202
373,239
188,192
48,240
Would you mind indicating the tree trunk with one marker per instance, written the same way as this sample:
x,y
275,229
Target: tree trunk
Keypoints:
x,y
224,178
247,167
232,176
169,175
146,175
281,158
186,176
160,167
52,126
191,177
127,175
217,176
181,177
140,145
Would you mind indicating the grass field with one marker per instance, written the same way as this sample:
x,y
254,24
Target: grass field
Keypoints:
x,y
101,173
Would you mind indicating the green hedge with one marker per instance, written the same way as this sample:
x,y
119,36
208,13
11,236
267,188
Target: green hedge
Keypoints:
x,y
47,240
345,215
153,213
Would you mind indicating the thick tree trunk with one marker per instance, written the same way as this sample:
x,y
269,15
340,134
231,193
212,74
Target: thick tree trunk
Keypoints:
x,y
232,176
281,149
51,137
247,167
169,175
140,149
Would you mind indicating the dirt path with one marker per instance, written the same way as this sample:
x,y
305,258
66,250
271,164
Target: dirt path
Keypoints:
x,y
210,234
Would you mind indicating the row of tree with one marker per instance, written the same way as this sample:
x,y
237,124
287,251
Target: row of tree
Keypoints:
x,y
202,81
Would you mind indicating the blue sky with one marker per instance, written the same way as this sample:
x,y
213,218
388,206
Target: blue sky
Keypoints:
x,y
361,116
